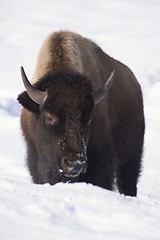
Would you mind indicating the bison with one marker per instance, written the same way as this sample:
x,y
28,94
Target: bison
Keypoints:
x,y
82,116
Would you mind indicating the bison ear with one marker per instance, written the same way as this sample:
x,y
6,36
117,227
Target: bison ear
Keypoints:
x,y
27,102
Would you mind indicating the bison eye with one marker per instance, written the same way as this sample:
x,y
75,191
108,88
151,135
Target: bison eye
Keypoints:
x,y
50,119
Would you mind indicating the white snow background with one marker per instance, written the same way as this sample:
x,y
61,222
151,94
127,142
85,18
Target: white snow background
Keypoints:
x,y
128,31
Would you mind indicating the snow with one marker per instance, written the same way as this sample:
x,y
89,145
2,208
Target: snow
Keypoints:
x,y
128,31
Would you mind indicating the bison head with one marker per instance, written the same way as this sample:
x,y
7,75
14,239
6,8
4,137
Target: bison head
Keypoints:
x,y
61,105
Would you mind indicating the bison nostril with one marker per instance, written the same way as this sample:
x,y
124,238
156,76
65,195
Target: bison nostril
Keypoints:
x,y
66,163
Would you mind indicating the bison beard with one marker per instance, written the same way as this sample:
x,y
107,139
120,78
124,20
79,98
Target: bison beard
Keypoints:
x,y
75,129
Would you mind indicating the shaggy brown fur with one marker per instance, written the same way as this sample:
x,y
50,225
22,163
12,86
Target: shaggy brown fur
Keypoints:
x,y
69,68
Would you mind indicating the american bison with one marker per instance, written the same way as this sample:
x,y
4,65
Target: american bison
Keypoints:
x,y
82,116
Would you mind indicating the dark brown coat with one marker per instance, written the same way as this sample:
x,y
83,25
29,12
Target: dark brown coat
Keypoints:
x,y
70,68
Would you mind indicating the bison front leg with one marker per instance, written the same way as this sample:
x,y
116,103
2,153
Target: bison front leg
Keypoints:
x,y
32,161
129,148
129,168
127,177
100,166
35,165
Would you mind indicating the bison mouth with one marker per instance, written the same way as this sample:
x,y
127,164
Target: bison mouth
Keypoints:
x,y
74,173
71,173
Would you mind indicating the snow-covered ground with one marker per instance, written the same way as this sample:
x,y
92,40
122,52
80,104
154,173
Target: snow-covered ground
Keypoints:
x,y
127,30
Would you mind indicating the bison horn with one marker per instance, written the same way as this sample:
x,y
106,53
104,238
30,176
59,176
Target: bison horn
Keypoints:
x,y
101,93
36,95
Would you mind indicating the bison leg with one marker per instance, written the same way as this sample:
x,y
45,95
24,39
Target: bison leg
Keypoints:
x,y
127,176
35,166
129,164
100,167
32,162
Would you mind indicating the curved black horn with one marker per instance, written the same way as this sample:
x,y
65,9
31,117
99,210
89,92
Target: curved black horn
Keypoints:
x,y
36,95
101,93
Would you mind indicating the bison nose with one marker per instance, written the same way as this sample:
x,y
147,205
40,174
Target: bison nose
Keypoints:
x,y
72,168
